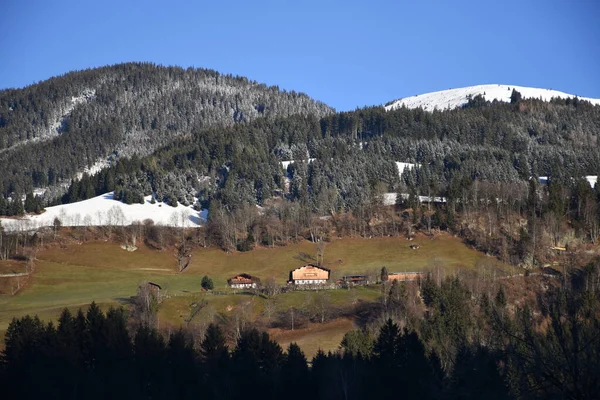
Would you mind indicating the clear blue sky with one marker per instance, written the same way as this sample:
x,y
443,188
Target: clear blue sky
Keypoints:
x,y
345,53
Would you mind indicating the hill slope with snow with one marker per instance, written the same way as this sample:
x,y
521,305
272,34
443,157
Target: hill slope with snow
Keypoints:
x,y
104,210
454,98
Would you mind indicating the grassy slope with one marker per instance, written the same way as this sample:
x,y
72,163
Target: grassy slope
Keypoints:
x,y
326,336
103,272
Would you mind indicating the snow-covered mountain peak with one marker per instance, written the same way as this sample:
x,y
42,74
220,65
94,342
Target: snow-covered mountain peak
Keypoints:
x,y
454,98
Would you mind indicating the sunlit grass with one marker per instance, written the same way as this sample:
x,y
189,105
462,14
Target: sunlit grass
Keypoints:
x,y
75,276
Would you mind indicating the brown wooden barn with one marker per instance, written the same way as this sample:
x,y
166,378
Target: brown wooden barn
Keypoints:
x,y
243,281
309,274
355,279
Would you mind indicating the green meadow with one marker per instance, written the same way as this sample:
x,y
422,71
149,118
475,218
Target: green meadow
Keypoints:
x,y
74,276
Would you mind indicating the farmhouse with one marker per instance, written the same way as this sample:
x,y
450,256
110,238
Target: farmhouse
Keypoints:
x,y
405,276
309,275
243,281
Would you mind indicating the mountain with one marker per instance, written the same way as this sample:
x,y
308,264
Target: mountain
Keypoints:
x,y
198,138
455,98
54,129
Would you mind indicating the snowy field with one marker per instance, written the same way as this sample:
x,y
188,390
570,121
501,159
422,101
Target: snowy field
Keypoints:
x,y
454,98
104,210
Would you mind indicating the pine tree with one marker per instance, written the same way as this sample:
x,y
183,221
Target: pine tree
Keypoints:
x,y
357,342
29,202
384,274
17,205
215,362
294,374
385,349
515,97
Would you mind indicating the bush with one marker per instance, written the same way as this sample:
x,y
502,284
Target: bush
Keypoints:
x,y
207,283
246,244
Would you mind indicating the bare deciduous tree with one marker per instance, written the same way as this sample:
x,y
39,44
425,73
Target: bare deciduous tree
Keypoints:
x,y
270,306
323,305
320,252
184,256
145,305
271,287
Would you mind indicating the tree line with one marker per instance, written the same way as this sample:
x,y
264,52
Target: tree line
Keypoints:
x,y
521,223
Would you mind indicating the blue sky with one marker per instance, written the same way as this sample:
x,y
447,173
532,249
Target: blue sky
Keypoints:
x,y
345,53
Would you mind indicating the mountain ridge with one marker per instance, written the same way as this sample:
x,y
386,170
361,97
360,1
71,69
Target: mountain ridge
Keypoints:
x,y
455,98
52,130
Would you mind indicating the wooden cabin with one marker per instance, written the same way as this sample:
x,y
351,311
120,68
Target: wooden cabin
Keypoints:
x,y
406,276
243,281
309,274
355,279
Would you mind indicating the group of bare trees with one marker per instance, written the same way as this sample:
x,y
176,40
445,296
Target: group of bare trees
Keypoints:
x,y
145,304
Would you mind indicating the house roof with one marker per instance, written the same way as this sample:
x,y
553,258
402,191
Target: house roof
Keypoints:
x,y
406,273
316,272
312,266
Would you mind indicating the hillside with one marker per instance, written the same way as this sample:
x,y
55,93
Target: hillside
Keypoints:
x,y
455,98
346,167
54,129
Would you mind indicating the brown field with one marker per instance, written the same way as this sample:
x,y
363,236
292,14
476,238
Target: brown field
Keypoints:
x,y
326,337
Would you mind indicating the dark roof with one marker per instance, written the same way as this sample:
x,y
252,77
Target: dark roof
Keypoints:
x,y
252,279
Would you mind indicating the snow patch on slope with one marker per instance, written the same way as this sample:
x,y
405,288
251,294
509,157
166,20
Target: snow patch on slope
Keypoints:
x,y
402,166
389,199
454,98
592,179
286,164
104,210
58,120
94,169
57,124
